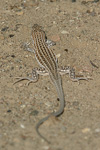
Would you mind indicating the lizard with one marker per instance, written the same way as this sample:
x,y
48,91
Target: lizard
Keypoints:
x,y
49,64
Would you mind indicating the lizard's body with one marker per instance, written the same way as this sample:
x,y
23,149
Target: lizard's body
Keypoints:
x,y
48,61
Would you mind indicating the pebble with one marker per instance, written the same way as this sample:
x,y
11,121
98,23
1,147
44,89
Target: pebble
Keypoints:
x,y
46,147
23,106
85,130
54,22
22,126
58,55
26,56
48,104
55,38
97,130
64,32
19,13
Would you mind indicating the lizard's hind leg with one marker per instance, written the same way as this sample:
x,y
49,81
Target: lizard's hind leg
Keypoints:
x,y
34,78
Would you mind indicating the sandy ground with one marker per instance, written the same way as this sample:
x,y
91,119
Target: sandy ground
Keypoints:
x,y
76,29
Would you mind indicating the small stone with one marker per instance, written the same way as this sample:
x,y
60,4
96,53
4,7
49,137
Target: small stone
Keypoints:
x,y
64,32
55,38
58,55
85,130
48,104
26,56
97,130
46,147
23,106
54,22
22,126
19,13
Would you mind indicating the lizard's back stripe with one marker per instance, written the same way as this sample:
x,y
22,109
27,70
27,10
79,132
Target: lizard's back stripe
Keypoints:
x,y
44,55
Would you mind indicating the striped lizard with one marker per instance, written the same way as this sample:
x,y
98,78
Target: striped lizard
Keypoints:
x,y
48,61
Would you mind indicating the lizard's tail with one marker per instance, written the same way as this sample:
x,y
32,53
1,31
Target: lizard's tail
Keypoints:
x,y
56,114
38,125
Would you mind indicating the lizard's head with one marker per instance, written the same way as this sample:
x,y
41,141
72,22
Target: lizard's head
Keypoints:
x,y
36,27
38,31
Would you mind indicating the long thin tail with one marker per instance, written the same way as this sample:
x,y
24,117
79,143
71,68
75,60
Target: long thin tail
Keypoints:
x,y
38,125
56,114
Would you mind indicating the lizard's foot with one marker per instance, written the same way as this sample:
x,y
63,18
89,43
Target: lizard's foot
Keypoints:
x,y
33,79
